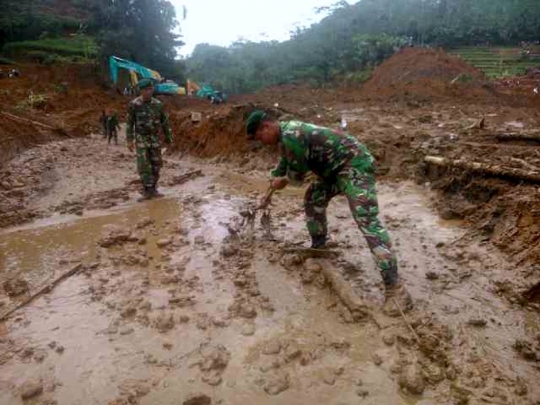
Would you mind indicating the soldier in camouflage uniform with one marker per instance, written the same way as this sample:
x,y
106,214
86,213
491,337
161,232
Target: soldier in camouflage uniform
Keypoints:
x,y
145,118
343,166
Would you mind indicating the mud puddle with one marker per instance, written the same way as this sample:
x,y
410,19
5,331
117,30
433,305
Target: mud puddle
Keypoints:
x,y
161,311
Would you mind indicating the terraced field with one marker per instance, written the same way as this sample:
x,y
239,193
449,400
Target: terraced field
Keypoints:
x,y
500,61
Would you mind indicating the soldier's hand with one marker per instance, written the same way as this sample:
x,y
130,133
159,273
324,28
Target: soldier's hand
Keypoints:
x,y
131,146
280,184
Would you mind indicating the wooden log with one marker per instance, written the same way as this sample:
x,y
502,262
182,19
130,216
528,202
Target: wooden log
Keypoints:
x,y
47,288
518,137
486,169
343,289
22,119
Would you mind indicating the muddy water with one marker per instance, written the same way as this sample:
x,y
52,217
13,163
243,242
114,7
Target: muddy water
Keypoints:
x,y
99,364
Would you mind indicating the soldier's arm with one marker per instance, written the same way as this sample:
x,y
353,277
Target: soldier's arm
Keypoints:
x,y
281,169
165,125
130,123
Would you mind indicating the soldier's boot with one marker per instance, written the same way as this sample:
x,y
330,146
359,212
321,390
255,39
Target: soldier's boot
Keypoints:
x,y
397,297
318,242
154,192
146,194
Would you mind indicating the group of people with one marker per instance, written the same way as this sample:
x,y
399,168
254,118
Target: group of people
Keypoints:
x,y
342,164
109,125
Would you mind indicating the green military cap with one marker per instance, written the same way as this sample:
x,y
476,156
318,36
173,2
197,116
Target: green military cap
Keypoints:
x,y
253,122
144,83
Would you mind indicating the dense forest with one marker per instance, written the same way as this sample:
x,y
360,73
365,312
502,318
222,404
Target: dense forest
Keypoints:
x,y
346,44
52,30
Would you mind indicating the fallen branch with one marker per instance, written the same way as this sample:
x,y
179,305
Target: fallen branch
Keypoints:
x,y
396,303
43,290
17,118
343,289
487,169
182,178
518,137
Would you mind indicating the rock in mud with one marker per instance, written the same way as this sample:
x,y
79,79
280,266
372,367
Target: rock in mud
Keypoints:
x,y
432,275
377,359
228,250
214,358
129,311
164,242
478,322
292,352
389,339
272,347
276,384
15,287
312,265
126,330
362,393
198,399
31,389
199,240
248,329
521,388
434,374
143,223
526,349
60,349
329,377
412,380
116,236
164,322
248,311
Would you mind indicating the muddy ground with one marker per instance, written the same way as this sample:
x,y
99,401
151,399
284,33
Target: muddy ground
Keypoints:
x,y
104,300
165,307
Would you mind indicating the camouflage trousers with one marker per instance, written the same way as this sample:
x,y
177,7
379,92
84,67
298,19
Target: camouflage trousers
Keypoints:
x,y
358,185
149,164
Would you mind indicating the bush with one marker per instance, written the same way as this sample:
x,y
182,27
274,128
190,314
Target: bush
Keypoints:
x,y
6,61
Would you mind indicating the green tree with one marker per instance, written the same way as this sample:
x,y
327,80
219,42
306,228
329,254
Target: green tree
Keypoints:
x,y
139,30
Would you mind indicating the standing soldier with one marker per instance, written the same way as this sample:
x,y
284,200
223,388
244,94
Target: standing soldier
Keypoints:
x,y
103,122
145,117
343,166
112,127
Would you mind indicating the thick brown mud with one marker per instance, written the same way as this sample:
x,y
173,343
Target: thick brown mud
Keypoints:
x,y
161,311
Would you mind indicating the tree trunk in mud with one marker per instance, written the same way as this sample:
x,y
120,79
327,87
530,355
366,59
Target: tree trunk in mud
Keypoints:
x,y
518,137
343,290
487,169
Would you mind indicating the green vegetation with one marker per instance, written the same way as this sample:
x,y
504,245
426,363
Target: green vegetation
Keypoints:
x,y
79,45
140,30
500,61
345,45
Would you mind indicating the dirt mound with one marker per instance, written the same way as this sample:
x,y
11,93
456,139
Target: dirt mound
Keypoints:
x,y
426,74
219,132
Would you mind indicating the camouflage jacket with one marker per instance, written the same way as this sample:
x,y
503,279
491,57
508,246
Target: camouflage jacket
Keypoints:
x,y
112,122
306,147
143,123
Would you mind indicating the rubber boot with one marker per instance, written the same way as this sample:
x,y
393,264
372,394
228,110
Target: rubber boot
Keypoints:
x,y
155,193
146,194
398,300
318,242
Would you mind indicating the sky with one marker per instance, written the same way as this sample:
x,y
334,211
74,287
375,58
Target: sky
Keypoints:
x,y
221,22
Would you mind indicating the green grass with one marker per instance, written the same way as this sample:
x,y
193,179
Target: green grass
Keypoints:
x,y
498,61
82,46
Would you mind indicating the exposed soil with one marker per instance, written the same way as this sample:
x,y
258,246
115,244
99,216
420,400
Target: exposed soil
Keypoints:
x,y
168,302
